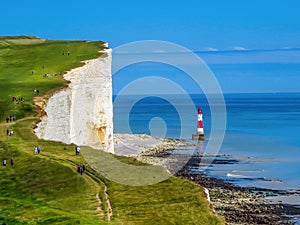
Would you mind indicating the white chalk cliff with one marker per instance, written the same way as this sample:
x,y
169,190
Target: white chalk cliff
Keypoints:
x,y
82,113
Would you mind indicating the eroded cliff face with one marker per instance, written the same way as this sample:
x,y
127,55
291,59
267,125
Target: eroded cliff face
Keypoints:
x,y
82,113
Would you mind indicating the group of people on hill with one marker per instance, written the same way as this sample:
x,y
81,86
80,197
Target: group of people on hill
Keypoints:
x,y
81,168
68,53
36,91
47,75
37,149
12,162
9,132
10,118
17,99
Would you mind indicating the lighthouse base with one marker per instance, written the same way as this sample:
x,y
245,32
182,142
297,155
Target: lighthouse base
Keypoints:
x,y
196,137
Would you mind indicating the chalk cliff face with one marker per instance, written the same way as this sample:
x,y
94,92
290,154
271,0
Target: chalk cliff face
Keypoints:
x,y
82,113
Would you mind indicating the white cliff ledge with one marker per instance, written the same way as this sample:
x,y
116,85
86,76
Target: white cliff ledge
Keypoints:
x,y
82,113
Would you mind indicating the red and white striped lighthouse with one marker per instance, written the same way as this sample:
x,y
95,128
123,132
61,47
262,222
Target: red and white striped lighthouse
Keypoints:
x,y
200,130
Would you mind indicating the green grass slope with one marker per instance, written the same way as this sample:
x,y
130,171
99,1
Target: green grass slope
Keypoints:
x,y
46,188
18,61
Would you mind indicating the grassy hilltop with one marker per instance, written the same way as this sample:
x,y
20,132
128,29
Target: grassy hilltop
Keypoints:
x,y
46,188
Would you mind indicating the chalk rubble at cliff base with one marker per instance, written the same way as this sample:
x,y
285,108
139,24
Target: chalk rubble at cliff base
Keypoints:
x,y
148,149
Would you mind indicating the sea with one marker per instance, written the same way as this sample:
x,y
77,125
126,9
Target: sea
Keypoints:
x,y
262,133
262,129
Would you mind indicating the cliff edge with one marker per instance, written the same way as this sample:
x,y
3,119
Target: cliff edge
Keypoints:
x,y
82,113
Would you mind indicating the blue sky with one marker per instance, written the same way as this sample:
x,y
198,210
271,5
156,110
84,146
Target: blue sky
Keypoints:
x,y
195,24
214,25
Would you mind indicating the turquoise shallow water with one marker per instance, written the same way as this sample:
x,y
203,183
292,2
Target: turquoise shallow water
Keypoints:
x,y
262,132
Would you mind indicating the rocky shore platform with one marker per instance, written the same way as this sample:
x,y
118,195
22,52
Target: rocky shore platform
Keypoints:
x,y
238,205
242,205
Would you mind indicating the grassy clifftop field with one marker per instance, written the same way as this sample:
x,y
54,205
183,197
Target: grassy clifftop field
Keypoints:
x,y
46,188
24,62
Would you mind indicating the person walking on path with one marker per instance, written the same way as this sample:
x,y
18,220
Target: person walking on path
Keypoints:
x,y
77,149
12,162
4,162
38,149
80,170
35,150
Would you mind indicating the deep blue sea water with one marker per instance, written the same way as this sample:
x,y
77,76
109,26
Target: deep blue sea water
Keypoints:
x,y
262,131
